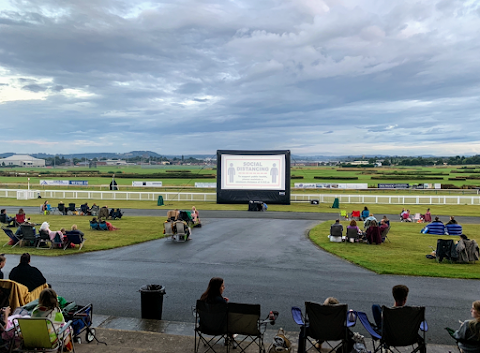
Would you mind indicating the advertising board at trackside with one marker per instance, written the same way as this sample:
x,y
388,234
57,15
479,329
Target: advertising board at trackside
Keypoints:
x,y
64,182
154,184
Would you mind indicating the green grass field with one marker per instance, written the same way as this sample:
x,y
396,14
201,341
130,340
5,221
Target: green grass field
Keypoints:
x,y
411,175
133,230
404,255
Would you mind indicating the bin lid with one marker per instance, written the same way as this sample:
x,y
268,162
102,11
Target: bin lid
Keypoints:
x,y
152,288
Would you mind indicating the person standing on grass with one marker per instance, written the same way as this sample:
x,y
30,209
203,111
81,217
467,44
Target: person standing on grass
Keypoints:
x,y
428,216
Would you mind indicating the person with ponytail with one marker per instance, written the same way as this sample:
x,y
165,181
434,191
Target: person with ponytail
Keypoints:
x,y
469,332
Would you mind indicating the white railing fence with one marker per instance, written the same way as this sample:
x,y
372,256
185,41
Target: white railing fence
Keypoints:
x,y
22,194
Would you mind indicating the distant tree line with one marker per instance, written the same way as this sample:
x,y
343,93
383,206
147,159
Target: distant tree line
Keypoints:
x,y
419,161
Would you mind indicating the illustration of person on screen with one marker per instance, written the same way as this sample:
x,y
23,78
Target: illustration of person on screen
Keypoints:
x,y
274,173
231,173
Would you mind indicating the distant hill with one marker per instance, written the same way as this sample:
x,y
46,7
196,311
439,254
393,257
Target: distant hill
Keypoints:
x,y
107,155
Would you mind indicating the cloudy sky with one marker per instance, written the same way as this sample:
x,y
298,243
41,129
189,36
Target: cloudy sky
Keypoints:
x,y
192,76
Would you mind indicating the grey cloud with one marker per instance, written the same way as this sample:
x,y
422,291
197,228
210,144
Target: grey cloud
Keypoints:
x,y
237,72
34,88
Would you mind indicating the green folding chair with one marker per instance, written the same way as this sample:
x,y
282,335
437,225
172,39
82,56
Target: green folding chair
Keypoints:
x,y
39,335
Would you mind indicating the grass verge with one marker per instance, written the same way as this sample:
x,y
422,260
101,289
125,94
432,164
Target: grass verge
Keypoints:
x,y
133,230
404,255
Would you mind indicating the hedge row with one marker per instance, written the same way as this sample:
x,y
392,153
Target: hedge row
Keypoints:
x,y
405,177
164,175
335,178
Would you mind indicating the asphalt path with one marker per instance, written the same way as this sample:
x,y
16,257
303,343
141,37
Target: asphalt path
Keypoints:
x,y
265,258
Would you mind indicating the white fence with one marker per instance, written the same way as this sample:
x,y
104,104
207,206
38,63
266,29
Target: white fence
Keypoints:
x,y
212,197
391,199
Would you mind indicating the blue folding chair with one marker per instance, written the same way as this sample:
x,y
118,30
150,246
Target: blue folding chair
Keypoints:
x,y
12,236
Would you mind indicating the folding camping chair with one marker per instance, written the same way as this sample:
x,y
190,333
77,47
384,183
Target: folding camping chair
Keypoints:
x,y
416,217
182,233
322,323
43,238
384,234
168,227
351,236
446,249
344,214
61,209
400,326
94,210
471,345
73,238
94,225
72,208
210,320
15,239
244,320
38,333
356,215
29,237
85,210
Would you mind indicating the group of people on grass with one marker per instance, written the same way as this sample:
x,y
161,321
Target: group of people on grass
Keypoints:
x,y
422,218
374,231
19,218
437,227
48,304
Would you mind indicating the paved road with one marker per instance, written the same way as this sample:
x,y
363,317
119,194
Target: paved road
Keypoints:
x,y
264,260
162,212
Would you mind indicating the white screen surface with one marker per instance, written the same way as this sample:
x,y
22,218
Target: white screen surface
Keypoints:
x,y
253,172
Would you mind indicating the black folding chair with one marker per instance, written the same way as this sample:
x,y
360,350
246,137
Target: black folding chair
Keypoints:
x,y
29,237
400,328
464,344
324,323
43,238
72,208
446,249
61,209
73,238
244,321
210,320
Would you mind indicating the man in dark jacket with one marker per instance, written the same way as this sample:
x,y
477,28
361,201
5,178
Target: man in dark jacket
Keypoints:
x,y
27,275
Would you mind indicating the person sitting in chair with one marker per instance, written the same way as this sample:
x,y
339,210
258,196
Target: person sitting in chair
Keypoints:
x,y
406,216
369,220
400,294
195,215
103,213
115,213
6,219
365,214
85,209
336,232
436,227
27,275
75,231
469,332
453,228
373,233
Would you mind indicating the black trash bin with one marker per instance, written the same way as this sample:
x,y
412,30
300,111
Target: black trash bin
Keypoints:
x,y
152,301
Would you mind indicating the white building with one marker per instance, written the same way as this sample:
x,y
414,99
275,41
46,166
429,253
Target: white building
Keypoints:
x,y
23,160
